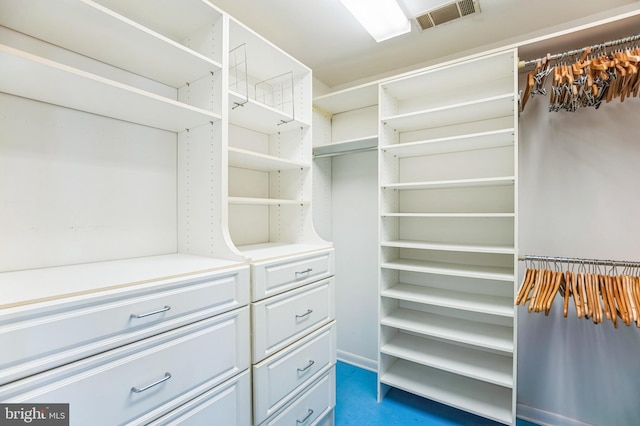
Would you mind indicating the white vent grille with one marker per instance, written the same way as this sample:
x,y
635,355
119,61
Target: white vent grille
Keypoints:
x,y
447,13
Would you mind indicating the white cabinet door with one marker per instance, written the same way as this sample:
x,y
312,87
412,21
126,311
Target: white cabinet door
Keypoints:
x,y
142,378
283,319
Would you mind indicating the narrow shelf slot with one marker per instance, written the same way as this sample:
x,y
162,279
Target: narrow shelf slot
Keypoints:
x,y
482,335
266,201
482,109
246,159
456,183
131,46
473,141
469,248
470,271
251,114
485,399
30,76
345,147
473,302
479,365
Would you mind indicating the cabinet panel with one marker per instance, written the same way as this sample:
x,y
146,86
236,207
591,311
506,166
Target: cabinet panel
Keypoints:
x,y
279,378
43,340
271,278
228,403
311,407
117,386
281,320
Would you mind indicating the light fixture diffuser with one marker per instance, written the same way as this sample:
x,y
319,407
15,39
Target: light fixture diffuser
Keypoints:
x,y
383,19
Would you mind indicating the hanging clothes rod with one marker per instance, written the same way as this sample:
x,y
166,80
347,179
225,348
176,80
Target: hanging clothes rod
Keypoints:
x,y
623,40
578,260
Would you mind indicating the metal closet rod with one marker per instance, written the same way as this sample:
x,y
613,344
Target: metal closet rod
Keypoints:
x,y
578,260
623,40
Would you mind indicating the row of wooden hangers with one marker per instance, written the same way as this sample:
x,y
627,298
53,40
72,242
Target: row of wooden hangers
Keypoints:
x,y
596,294
594,77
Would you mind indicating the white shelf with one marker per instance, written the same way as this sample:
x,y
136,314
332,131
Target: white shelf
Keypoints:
x,y
482,109
486,304
479,365
33,285
345,147
456,183
482,335
266,201
450,215
267,251
467,248
252,160
483,140
260,117
130,45
452,269
31,77
349,99
477,397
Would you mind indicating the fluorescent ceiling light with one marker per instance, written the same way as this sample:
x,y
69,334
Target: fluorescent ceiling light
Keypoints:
x,y
383,19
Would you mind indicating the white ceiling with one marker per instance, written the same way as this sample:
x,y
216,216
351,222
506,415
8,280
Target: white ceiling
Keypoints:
x,y
324,36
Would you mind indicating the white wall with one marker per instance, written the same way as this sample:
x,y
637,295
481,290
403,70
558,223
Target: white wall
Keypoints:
x,y
579,175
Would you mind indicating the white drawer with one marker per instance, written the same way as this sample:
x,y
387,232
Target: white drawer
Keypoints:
x,y
282,376
228,403
47,335
283,319
274,277
100,389
312,407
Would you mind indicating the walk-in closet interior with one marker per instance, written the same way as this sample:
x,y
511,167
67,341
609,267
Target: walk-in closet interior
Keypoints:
x,y
205,207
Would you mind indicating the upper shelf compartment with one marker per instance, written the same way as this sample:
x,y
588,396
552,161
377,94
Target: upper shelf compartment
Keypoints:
x,y
31,77
156,49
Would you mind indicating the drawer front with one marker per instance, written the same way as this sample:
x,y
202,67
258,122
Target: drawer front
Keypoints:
x,y
279,378
271,278
228,403
312,406
126,383
283,319
43,340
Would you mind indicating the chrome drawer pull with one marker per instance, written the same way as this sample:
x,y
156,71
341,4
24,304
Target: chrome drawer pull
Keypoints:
x,y
166,377
306,271
311,362
305,314
309,414
159,311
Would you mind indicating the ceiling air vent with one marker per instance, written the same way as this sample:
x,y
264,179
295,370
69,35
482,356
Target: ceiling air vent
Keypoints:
x,y
447,13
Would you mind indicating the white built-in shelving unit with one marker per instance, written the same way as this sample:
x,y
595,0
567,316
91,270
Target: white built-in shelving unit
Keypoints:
x,y
447,232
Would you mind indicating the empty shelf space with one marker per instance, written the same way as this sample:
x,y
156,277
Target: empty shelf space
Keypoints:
x,y
470,248
254,115
246,159
485,399
494,337
131,46
264,251
474,302
344,147
29,286
470,271
265,201
449,215
30,76
455,183
482,109
483,140
348,99
479,365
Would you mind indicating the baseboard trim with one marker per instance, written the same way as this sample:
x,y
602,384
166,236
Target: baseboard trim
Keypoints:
x,y
545,418
358,361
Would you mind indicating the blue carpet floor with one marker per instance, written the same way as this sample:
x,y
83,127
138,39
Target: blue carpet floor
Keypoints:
x,y
356,405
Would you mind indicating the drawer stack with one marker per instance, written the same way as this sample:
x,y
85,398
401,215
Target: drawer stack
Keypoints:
x,y
294,341
166,350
